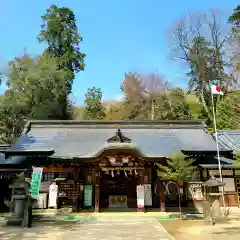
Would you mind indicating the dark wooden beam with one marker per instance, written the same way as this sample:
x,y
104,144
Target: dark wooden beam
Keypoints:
x,y
9,152
204,153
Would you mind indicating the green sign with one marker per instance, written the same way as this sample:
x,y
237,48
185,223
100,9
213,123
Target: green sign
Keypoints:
x,y
88,195
36,182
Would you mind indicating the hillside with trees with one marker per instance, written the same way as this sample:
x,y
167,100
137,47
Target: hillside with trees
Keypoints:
x,y
38,87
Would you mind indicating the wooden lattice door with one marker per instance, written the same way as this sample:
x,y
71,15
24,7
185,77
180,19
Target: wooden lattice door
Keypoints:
x,y
238,188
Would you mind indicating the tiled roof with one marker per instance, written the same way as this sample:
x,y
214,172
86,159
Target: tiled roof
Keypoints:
x,y
86,139
229,139
14,160
2,158
213,163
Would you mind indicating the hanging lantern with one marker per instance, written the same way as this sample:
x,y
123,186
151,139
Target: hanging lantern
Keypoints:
x,y
112,160
130,172
125,173
125,160
135,171
112,173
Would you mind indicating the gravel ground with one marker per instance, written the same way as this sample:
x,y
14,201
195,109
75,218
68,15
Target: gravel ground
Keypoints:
x,y
193,229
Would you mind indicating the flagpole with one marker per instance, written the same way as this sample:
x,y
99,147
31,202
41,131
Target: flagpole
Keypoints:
x,y
218,155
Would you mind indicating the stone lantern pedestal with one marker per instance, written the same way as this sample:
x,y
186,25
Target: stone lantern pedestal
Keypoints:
x,y
20,204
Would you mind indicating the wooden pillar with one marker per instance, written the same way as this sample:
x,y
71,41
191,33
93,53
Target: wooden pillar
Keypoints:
x,y
162,199
145,175
82,183
201,174
75,177
145,181
236,190
97,189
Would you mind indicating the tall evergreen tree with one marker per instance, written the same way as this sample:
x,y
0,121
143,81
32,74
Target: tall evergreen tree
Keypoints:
x,y
60,32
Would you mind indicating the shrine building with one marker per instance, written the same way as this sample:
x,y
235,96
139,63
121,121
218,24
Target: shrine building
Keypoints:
x,y
99,164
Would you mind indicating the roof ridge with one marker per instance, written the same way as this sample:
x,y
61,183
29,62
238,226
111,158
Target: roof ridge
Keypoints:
x,y
118,122
236,131
229,130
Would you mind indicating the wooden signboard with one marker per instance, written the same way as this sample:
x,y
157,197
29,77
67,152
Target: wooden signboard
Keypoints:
x,y
147,194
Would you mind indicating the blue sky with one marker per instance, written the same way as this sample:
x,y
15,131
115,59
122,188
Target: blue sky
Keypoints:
x,y
119,36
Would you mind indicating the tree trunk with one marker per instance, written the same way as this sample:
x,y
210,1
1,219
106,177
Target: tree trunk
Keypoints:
x,y
205,106
179,203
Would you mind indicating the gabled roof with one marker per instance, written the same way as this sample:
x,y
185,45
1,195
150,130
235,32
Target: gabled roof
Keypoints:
x,y
213,163
87,139
229,139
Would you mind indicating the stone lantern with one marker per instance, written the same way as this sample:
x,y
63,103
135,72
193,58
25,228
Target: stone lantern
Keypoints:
x,y
211,205
21,203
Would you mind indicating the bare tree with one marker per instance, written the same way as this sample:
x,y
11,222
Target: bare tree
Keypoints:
x,y
141,92
154,87
220,40
235,46
199,41
154,82
134,99
149,96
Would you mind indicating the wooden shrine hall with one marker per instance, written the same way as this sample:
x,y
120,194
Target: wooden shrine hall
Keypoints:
x,y
101,163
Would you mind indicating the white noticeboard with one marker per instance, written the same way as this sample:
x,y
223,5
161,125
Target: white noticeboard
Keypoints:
x,y
147,195
229,185
53,193
140,196
45,186
42,201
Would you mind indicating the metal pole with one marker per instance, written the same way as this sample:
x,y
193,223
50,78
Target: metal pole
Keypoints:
x,y
218,155
153,110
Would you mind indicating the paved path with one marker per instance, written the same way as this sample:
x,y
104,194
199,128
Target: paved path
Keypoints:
x,y
128,229
99,228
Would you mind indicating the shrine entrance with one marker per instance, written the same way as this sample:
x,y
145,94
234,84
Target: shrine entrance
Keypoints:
x,y
118,190
119,177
